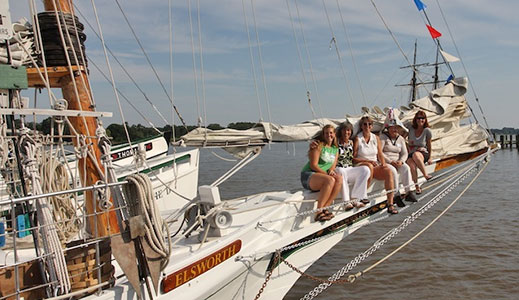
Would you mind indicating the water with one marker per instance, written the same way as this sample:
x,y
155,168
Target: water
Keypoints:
x,y
472,252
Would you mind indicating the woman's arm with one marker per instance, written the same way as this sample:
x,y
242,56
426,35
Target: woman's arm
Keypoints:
x,y
380,155
403,150
429,149
356,151
383,142
314,160
331,171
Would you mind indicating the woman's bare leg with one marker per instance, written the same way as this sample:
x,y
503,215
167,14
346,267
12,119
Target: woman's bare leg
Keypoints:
x,y
414,174
335,190
384,173
419,161
324,184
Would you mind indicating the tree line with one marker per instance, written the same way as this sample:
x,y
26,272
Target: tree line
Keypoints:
x,y
137,132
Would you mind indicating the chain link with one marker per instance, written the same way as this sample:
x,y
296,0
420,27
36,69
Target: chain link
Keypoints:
x,y
269,273
388,236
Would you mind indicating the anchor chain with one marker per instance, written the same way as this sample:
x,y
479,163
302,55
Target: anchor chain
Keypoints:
x,y
362,256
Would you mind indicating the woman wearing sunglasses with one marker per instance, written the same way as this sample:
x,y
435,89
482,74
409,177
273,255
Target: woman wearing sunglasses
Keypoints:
x,y
367,151
419,141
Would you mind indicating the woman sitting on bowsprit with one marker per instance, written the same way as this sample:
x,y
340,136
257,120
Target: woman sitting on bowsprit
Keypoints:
x,y
319,173
419,141
367,151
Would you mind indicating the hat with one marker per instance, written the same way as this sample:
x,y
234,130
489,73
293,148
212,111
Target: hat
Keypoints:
x,y
393,120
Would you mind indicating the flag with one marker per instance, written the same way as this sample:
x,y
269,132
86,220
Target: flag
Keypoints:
x,y
451,77
434,33
420,5
448,57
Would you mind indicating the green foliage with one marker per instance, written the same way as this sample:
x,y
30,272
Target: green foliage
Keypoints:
x,y
137,132
241,125
215,126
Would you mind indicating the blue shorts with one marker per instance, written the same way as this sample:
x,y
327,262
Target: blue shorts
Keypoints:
x,y
305,179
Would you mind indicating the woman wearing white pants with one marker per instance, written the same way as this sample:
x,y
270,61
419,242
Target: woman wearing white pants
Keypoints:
x,y
357,176
395,153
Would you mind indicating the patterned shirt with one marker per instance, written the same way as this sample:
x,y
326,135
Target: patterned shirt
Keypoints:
x,y
345,155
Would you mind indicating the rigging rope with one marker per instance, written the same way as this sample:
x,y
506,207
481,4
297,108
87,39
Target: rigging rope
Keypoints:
x,y
351,53
301,62
202,77
260,56
252,62
466,72
334,41
139,195
129,76
309,60
56,260
396,42
193,58
111,74
170,98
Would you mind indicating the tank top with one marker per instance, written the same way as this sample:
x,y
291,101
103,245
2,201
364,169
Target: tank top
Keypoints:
x,y
367,150
326,159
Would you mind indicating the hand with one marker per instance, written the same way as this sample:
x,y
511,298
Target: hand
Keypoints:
x,y
374,163
331,172
314,144
396,164
429,161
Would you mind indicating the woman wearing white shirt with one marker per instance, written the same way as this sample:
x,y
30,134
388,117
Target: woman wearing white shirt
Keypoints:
x,y
395,153
367,151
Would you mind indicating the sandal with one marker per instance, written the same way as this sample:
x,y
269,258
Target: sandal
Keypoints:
x,y
418,190
348,206
359,204
328,214
392,210
365,201
429,178
320,217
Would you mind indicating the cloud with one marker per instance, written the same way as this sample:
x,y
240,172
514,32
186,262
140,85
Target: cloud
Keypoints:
x,y
484,32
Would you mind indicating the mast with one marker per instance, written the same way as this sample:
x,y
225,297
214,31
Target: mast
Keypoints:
x,y
76,89
413,79
435,77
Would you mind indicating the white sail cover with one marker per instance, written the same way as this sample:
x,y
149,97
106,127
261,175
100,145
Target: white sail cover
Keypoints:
x,y
445,108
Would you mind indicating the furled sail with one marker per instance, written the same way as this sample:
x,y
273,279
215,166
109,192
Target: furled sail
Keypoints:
x,y
445,107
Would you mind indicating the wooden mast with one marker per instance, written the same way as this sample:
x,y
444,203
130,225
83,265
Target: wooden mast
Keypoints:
x,y
101,224
81,100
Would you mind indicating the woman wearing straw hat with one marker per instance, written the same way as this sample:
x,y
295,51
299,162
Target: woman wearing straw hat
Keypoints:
x,y
395,153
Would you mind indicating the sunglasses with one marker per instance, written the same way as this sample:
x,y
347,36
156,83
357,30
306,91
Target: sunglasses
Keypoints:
x,y
367,124
420,118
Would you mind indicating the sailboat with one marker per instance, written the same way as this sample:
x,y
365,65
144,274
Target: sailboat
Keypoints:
x,y
133,243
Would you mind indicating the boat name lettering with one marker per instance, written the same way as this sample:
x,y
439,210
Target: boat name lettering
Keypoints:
x,y
203,265
128,152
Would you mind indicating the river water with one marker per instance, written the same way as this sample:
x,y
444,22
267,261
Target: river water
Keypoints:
x,y
472,252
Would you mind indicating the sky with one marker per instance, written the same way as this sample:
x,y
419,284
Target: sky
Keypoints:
x,y
295,55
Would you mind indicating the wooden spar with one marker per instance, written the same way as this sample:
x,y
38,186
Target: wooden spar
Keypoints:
x,y
76,90
106,222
